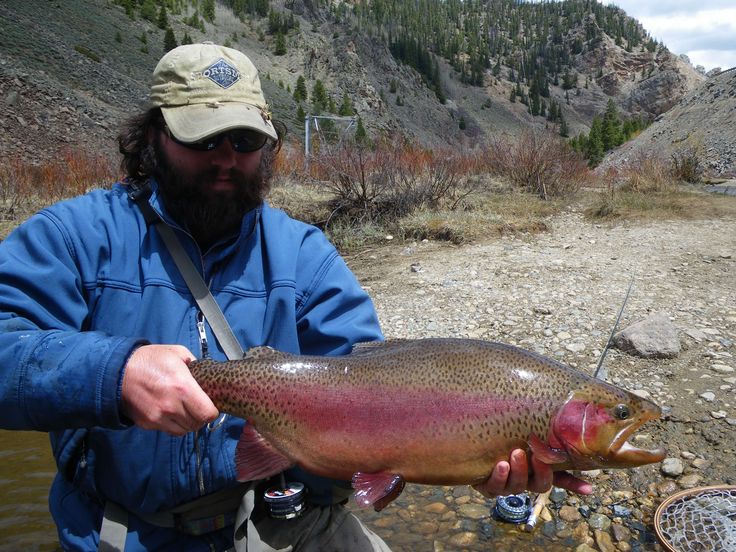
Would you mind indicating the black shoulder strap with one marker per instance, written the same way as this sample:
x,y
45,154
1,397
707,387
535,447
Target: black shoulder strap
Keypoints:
x,y
140,193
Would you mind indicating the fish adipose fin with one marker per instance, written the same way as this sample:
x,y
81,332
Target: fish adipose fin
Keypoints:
x,y
255,458
544,453
377,489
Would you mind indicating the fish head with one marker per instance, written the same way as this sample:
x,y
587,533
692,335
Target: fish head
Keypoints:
x,y
594,426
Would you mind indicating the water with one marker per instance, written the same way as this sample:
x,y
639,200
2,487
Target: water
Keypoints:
x,y
26,471
413,523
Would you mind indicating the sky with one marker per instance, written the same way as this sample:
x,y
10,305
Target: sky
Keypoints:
x,y
704,30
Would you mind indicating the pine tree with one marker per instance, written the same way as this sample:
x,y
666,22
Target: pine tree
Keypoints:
x,y
346,107
361,136
319,97
148,10
162,21
611,134
280,47
564,130
594,150
208,10
169,40
300,115
187,39
300,90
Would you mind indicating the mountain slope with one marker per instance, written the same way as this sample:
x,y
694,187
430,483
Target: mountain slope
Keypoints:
x,y
702,122
71,71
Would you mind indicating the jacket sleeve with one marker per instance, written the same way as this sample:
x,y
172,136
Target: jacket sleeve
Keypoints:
x,y
335,312
54,373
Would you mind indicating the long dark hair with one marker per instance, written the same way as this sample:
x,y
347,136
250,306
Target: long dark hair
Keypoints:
x,y
139,156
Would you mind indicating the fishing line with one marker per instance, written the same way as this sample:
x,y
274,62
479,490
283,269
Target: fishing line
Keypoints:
x,y
613,330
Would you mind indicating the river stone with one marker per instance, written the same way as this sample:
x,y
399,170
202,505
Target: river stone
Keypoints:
x,y
672,467
604,542
708,396
653,337
436,508
558,495
689,481
474,511
462,540
621,533
427,527
599,521
585,548
569,513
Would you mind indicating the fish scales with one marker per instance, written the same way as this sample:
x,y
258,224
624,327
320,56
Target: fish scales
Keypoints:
x,y
437,411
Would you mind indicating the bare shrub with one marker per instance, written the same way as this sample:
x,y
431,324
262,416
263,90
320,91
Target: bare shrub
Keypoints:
x,y
393,179
646,174
539,163
687,166
25,186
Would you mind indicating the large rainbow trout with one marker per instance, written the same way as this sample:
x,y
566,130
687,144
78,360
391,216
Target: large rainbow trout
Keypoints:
x,y
433,411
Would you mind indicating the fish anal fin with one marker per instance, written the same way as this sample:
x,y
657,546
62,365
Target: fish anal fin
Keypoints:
x,y
546,454
377,489
256,458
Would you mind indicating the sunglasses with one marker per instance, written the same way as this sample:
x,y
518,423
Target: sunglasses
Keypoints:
x,y
241,140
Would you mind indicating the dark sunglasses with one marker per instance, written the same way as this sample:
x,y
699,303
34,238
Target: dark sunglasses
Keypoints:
x,y
242,140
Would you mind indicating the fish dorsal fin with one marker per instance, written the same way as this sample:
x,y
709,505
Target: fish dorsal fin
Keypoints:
x,y
375,346
262,351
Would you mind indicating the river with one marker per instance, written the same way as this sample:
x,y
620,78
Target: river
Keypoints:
x,y
26,471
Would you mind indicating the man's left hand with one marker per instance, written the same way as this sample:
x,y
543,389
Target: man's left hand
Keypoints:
x,y
514,477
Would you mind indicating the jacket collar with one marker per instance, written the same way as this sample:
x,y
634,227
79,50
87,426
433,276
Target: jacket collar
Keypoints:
x,y
247,228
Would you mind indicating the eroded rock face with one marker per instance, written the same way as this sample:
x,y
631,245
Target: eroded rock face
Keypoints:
x,y
701,122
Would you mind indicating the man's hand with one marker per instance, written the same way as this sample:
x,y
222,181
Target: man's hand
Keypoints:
x,y
160,393
513,477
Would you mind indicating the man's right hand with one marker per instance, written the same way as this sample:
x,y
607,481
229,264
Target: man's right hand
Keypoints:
x,y
160,393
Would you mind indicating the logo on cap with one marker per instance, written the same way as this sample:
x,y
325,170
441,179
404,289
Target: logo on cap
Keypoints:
x,y
222,73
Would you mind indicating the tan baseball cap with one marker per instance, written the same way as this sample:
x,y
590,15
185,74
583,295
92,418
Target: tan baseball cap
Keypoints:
x,y
204,89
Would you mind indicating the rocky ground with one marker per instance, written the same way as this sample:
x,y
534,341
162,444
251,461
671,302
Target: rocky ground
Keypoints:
x,y
558,293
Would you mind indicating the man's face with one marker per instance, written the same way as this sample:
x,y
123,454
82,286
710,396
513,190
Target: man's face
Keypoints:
x,y
209,191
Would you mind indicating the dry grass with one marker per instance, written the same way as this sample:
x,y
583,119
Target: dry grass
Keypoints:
x,y
649,190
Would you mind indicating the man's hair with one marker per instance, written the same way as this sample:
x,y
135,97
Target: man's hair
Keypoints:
x,y
139,156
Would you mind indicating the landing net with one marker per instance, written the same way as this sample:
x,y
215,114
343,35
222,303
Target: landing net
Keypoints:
x,y
698,520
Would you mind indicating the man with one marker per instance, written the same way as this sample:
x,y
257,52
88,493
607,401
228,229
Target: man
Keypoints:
x,y
97,326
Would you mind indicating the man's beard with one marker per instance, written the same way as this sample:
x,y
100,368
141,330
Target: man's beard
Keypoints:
x,y
210,216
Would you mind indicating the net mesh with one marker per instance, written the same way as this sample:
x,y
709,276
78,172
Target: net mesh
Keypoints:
x,y
701,522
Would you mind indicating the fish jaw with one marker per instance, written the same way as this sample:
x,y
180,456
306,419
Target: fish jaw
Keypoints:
x,y
594,437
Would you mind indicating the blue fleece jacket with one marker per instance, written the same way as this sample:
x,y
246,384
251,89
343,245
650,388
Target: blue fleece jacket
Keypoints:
x,y
84,282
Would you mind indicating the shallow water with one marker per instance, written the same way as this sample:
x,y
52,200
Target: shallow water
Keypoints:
x,y
26,471
411,523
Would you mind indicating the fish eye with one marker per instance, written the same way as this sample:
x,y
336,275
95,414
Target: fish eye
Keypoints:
x,y
621,411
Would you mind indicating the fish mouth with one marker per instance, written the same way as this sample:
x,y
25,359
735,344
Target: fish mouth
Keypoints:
x,y
625,454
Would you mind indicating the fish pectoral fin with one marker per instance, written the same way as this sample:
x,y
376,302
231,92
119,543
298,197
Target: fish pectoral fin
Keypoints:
x,y
544,453
256,458
377,489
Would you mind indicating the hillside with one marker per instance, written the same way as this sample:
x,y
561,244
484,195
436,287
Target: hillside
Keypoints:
x,y
71,71
701,122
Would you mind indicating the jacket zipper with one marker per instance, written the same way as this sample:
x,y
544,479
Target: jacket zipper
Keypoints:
x,y
202,335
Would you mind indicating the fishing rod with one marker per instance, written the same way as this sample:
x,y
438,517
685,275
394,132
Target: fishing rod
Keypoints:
x,y
613,332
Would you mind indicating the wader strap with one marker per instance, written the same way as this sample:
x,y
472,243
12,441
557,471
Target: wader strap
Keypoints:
x,y
246,537
114,528
192,277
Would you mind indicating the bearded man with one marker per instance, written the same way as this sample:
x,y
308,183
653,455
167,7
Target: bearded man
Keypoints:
x,y
98,325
